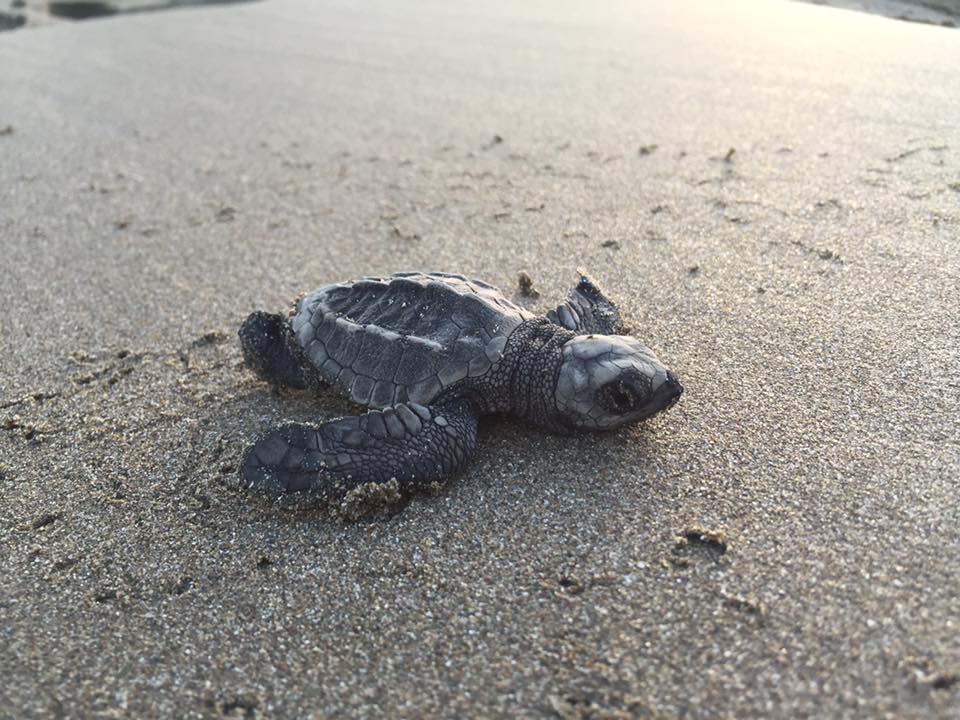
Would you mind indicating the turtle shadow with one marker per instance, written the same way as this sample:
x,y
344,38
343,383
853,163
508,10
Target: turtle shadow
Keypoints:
x,y
538,474
588,458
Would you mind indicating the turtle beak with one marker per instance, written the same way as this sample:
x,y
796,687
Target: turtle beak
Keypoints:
x,y
667,393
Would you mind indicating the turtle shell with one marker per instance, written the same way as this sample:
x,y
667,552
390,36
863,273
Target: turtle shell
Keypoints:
x,y
405,337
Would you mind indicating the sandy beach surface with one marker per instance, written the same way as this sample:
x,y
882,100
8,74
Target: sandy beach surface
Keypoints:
x,y
15,14
770,189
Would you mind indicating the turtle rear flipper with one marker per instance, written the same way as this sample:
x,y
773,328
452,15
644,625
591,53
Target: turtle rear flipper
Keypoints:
x,y
587,311
409,443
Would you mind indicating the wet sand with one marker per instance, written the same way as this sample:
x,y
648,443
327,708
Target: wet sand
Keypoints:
x,y
771,191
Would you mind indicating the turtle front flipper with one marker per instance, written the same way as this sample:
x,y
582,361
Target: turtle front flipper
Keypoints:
x,y
271,351
587,311
409,443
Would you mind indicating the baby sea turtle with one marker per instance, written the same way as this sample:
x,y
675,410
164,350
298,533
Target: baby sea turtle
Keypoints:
x,y
431,353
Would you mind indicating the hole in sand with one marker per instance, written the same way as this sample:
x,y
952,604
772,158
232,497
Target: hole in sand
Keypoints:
x,y
74,10
11,21
80,10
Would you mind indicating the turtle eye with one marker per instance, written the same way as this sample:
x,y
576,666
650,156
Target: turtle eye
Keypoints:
x,y
625,395
618,397
622,398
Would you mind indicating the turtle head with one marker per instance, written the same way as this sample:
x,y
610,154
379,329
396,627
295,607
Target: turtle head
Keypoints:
x,y
610,380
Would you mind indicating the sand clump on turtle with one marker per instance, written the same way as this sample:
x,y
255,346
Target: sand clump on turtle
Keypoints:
x,y
431,353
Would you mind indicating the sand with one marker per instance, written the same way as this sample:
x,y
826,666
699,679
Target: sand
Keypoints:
x,y
772,192
30,13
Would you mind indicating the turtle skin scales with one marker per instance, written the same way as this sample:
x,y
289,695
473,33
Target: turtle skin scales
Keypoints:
x,y
430,353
